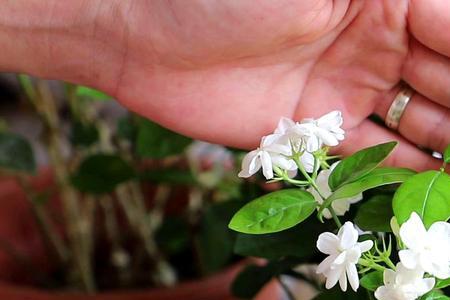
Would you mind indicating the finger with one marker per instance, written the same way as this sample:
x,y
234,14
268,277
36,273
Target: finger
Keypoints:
x,y
405,155
428,72
423,122
428,22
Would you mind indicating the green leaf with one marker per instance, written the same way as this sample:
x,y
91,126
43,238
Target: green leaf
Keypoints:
x,y
274,212
375,214
16,153
427,194
372,280
442,283
214,252
154,141
359,164
447,154
101,173
375,178
92,94
170,176
434,295
299,241
84,134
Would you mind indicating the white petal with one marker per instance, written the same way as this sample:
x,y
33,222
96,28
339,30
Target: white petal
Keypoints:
x,y
325,265
327,137
408,258
439,235
307,160
284,125
250,164
348,235
282,162
389,277
353,278
340,206
413,233
425,286
333,277
328,243
365,246
383,293
266,162
406,275
340,260
343,282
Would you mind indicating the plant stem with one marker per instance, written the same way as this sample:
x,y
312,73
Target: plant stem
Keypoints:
x,y
50,236
314,185
389,263
371,264
44,104
286,289
335,217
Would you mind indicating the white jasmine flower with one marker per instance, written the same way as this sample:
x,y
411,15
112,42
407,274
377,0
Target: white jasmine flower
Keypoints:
x,y
273,152
344,252
428,250
301,140
340,206
404,284
327,128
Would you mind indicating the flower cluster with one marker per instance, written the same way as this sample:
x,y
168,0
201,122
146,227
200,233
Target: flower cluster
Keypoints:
x,y
425,252
292,145
301,147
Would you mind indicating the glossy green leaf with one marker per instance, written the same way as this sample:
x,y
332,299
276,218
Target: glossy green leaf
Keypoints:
x,y
372,280
447,154
440,284
101,173
92,94
375,214
16,153
359,164
84,134
299,241
427,194
434,295
274,212
155,141
375,178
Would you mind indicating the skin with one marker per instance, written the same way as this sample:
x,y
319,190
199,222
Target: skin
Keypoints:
x,y
226,71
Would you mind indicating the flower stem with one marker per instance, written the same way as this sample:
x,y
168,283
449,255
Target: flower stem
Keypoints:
x,y
314,185
335,217
373,265
389,263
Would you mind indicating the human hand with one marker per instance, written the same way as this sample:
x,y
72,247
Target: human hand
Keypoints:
x,y
227,71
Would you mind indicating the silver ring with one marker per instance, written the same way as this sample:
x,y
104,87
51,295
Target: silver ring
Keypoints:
x,y
398,107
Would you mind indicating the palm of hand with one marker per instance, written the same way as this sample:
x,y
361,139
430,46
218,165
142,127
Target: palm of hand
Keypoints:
x,y
226,72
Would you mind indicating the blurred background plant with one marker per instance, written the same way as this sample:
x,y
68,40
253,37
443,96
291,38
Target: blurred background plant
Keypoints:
x,y
133,205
